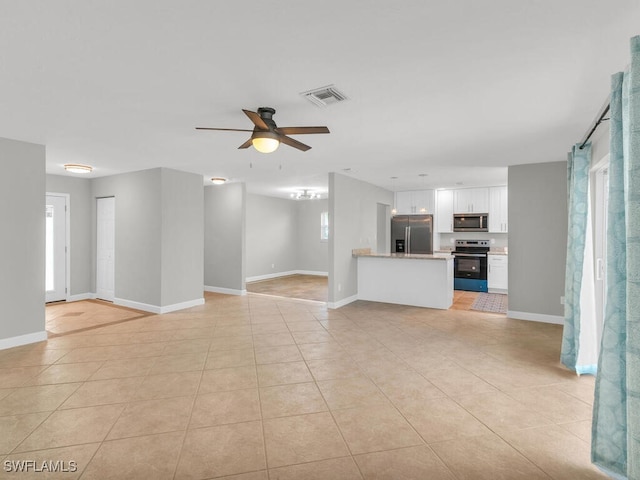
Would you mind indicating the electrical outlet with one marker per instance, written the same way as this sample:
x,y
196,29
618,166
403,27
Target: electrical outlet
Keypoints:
x,y
561,300
273,265
339,287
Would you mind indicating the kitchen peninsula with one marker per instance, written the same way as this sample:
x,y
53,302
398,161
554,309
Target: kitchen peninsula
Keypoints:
x,y
416,280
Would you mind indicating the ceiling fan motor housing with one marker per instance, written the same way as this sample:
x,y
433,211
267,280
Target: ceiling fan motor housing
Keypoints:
x,y
266,114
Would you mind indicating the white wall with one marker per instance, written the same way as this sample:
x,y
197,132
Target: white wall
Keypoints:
x,y
537,240
224,238
22,291
79,190
353,212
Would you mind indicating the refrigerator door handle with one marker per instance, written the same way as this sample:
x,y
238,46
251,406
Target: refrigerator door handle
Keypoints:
x,y
407,240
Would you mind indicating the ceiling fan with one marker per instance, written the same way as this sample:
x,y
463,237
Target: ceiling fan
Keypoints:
x,y
267,136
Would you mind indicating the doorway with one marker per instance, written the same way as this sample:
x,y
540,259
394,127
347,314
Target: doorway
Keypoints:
x,y
105,248
56,248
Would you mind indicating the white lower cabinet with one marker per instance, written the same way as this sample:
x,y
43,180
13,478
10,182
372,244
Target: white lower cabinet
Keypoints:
x,y
498,273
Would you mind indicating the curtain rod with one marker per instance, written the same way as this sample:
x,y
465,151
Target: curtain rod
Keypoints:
x,y
601,119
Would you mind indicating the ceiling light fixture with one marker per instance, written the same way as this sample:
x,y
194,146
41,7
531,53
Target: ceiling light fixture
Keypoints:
x,y
305,195
265,142
218,180
77,168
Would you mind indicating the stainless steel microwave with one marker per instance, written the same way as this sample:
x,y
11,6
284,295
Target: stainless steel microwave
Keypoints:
x,y
470,222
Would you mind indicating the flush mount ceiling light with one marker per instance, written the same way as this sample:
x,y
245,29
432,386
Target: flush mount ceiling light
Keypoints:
x,y
77,168
218,180
305,195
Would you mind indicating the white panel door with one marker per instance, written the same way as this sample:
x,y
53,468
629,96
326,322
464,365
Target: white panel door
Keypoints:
x,y
55,248
105,248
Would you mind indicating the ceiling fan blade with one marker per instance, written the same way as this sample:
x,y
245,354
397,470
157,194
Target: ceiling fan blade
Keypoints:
x,y
246,144
301,130
294,143
225,129
256,119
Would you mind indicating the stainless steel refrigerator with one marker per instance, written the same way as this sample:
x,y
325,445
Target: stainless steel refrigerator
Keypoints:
x,y
412,234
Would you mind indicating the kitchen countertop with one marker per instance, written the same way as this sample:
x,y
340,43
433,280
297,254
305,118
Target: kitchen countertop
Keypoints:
x,y
414,256
502,252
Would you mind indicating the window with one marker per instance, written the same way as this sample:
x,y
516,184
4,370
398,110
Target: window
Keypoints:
x,y
324,226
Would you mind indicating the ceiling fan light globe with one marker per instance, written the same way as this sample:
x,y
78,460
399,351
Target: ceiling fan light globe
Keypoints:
x,y
265,144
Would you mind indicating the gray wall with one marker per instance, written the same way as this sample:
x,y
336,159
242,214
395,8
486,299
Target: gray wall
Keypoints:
x,y
182,237
313,253
158,235
79,190
22,189
224,236
352,224
537,237
284,235
138,233
272,228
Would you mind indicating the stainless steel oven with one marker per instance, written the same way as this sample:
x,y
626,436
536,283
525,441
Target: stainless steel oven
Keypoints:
x,y
470,265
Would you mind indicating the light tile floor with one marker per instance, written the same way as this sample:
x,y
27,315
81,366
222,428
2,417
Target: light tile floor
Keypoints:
x,y
256,388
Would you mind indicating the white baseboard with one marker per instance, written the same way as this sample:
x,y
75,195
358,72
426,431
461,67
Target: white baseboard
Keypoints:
x,y
225,291
342,303
81,296
23,339
181,306
312,272
155,308
536,317
503,291
269,276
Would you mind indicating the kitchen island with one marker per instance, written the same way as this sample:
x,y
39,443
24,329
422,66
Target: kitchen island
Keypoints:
x,y
416,280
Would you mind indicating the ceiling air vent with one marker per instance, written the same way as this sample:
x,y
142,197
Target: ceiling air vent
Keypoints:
x,y
324,96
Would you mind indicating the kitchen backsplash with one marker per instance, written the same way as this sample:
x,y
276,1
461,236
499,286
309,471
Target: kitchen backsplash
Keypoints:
x,y
448,240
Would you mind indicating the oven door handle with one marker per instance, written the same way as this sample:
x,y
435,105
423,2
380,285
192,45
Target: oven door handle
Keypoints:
x,y
477,255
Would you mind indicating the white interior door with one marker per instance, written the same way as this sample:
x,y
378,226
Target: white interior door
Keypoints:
x,y
55,248
105,248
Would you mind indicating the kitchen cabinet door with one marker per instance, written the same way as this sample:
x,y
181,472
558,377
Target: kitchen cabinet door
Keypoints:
x,y
414,202
498,210
423,201
444,211
404,203
498,273
471,200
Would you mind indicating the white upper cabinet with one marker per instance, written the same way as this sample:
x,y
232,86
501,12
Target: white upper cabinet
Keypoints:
x,y
415,202
444,211
471,200
498,210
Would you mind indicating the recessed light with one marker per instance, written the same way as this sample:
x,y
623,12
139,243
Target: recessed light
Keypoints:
x,y
218,180
77,168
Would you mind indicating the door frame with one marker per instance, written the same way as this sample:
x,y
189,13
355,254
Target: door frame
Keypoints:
x,y
67,240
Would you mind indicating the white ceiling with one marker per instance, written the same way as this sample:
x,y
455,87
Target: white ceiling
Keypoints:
x,y
457,90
